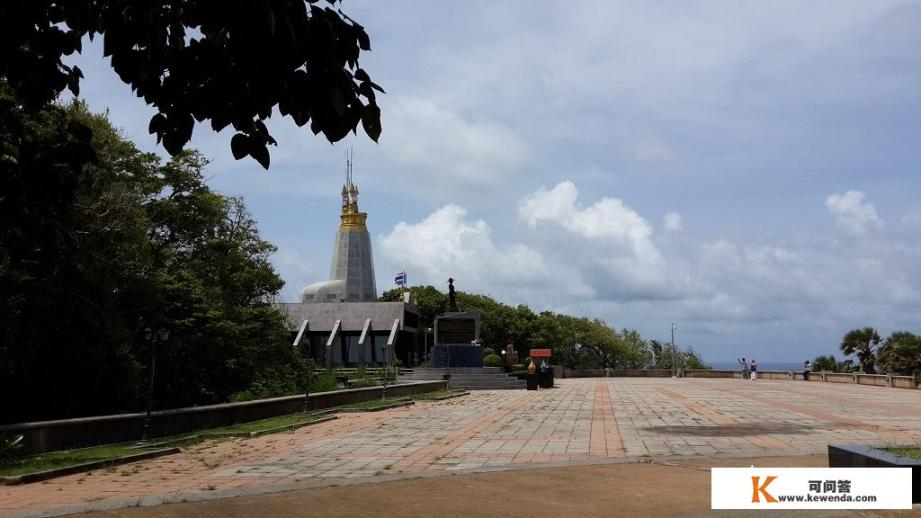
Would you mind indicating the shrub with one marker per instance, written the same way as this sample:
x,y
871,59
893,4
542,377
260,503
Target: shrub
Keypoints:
x,y
362,383
518,367
487,351
323,382
917,376
10,450
492,360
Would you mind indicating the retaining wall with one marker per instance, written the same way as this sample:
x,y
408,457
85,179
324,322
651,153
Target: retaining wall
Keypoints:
x,y
877,380
63,434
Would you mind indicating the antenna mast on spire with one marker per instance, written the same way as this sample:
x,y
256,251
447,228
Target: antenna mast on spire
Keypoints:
x,y
348,167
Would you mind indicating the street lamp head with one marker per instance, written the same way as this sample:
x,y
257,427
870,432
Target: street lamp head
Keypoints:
x,y
164,334
148,334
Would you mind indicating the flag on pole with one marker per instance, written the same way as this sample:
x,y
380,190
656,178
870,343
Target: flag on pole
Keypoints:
x,y
400,279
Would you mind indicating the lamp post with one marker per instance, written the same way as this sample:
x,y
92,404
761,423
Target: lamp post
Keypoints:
x,y
386,363
674,352
152,338
427,331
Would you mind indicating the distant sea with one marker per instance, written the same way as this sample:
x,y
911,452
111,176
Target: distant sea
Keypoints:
x,y
764,366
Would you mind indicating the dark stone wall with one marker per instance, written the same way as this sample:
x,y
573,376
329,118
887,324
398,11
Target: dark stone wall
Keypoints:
x,y
90,431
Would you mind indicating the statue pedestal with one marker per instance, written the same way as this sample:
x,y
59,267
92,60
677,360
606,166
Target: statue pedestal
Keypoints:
x,y
456,336
457,355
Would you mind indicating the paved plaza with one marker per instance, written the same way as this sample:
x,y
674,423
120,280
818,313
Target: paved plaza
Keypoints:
x,y
582,421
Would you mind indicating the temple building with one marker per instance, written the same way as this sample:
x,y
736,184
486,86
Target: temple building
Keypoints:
x,y
339,322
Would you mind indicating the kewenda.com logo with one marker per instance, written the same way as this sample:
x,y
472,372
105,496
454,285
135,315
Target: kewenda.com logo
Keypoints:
x,y
759,489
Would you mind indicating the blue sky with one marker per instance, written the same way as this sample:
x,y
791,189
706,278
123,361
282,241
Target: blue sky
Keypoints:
x,y
746,170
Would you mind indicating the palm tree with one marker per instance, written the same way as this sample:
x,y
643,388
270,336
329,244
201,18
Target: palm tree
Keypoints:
x,y
864,343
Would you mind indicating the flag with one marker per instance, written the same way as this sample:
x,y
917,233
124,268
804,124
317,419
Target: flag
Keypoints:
x,y
400,279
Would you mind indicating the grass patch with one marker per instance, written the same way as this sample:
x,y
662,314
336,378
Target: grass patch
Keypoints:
x,y
376,403
66,458
914,452
272,422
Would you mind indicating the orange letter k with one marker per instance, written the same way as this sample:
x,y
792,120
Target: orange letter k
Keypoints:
x,y
762,489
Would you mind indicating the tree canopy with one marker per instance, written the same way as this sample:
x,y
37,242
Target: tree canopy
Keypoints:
x,y
900,353
864,343
227,62
99,241
577,342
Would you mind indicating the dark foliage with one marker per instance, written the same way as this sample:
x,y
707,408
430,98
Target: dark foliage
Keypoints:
x,y
99,241
230,62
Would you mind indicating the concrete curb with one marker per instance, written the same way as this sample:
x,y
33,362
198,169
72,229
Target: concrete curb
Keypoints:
x,y
86,466
442,398
377,409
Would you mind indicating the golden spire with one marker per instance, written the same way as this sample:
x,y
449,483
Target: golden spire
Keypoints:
x,y
351,218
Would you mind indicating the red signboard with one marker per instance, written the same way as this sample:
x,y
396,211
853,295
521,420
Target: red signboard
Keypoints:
x,y
540,353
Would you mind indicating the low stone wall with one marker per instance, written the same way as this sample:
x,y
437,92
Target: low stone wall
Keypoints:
x,y
641,373
903,382
63,434
583,373
877,380
710,374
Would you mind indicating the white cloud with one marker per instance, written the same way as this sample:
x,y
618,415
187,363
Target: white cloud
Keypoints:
x,y
851,213
673,222
608,220
614,238
447,244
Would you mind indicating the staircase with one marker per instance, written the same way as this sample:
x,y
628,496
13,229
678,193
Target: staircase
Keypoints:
x,y
467,378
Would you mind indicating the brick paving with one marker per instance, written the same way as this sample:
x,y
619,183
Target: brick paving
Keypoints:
x,y
580,421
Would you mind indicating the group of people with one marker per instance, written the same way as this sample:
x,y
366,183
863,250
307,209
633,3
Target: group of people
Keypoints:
x,y
749,371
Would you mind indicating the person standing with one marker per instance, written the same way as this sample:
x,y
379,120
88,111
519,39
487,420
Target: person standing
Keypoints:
x,y
807,368
754,370
744,365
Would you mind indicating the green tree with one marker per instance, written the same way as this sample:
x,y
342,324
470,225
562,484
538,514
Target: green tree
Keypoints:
x,y
99,241
901,353
691,359
826,363
638,353
231,63
863,343
428,301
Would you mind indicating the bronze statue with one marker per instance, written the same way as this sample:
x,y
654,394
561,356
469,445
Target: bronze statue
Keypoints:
x,y
452,297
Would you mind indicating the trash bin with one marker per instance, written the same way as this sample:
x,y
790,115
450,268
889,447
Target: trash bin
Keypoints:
x,y
531,379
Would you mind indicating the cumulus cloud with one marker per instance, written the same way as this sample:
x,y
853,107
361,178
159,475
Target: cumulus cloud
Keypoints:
x,y
608,220
851,213
448,244
673,222
615,241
